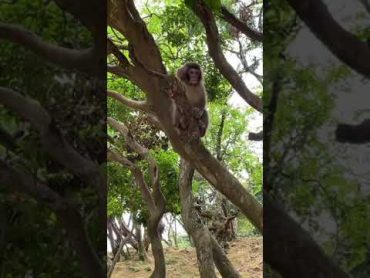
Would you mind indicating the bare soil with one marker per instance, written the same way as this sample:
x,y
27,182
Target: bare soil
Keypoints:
x,y
245,254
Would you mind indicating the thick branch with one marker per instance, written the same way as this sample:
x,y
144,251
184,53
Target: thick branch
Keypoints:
x,y
118,70
240,25
355,134
255,136
124,17
215,51
217,175
366,4
117,255
208,250
193,224
346,46
53,141
68,216
138,105
83,60
290,250
145,154
113,49
89,12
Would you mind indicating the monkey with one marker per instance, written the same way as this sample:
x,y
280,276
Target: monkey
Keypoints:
x,y
189,111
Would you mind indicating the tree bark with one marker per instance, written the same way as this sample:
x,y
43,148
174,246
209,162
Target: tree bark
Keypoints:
x,y
116,258
354,134
208,250
73,223
222,262
157,248
290,250
240,25
110,234
215,51
194,226
69,217
153,196
343,44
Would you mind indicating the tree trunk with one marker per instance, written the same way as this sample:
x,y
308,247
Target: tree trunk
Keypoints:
x,y
110,235
222,262
193,225
157,248
73,223
116,258
290,250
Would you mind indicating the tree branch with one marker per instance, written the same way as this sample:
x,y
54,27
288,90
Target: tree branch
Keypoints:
x,y
123,16
354,134
91,17
138,105
145,154
54,143
366,4
113,49
21,181
255,136
114,156
215,51
83,60
154,200
208,250
346,46
240,25
290,250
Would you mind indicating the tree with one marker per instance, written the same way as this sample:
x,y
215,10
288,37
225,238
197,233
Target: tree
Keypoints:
x,y
172,35
50,173
150,76
302,179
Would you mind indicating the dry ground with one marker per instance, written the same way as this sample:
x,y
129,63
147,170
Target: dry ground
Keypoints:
x,y
245,254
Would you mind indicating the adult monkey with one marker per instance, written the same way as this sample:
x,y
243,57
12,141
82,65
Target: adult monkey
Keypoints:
x,y
193,119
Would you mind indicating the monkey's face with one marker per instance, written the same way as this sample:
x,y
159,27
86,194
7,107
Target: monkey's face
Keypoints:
x,y
194,76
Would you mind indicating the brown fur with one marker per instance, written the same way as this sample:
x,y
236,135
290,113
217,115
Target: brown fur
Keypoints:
x,y
189,111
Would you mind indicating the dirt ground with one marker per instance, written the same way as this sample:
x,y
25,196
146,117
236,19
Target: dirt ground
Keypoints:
x,y
245,254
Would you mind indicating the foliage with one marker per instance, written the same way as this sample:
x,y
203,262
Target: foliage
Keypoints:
x,y
183,242
214,5
304,171
180,37
33,243
245,228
